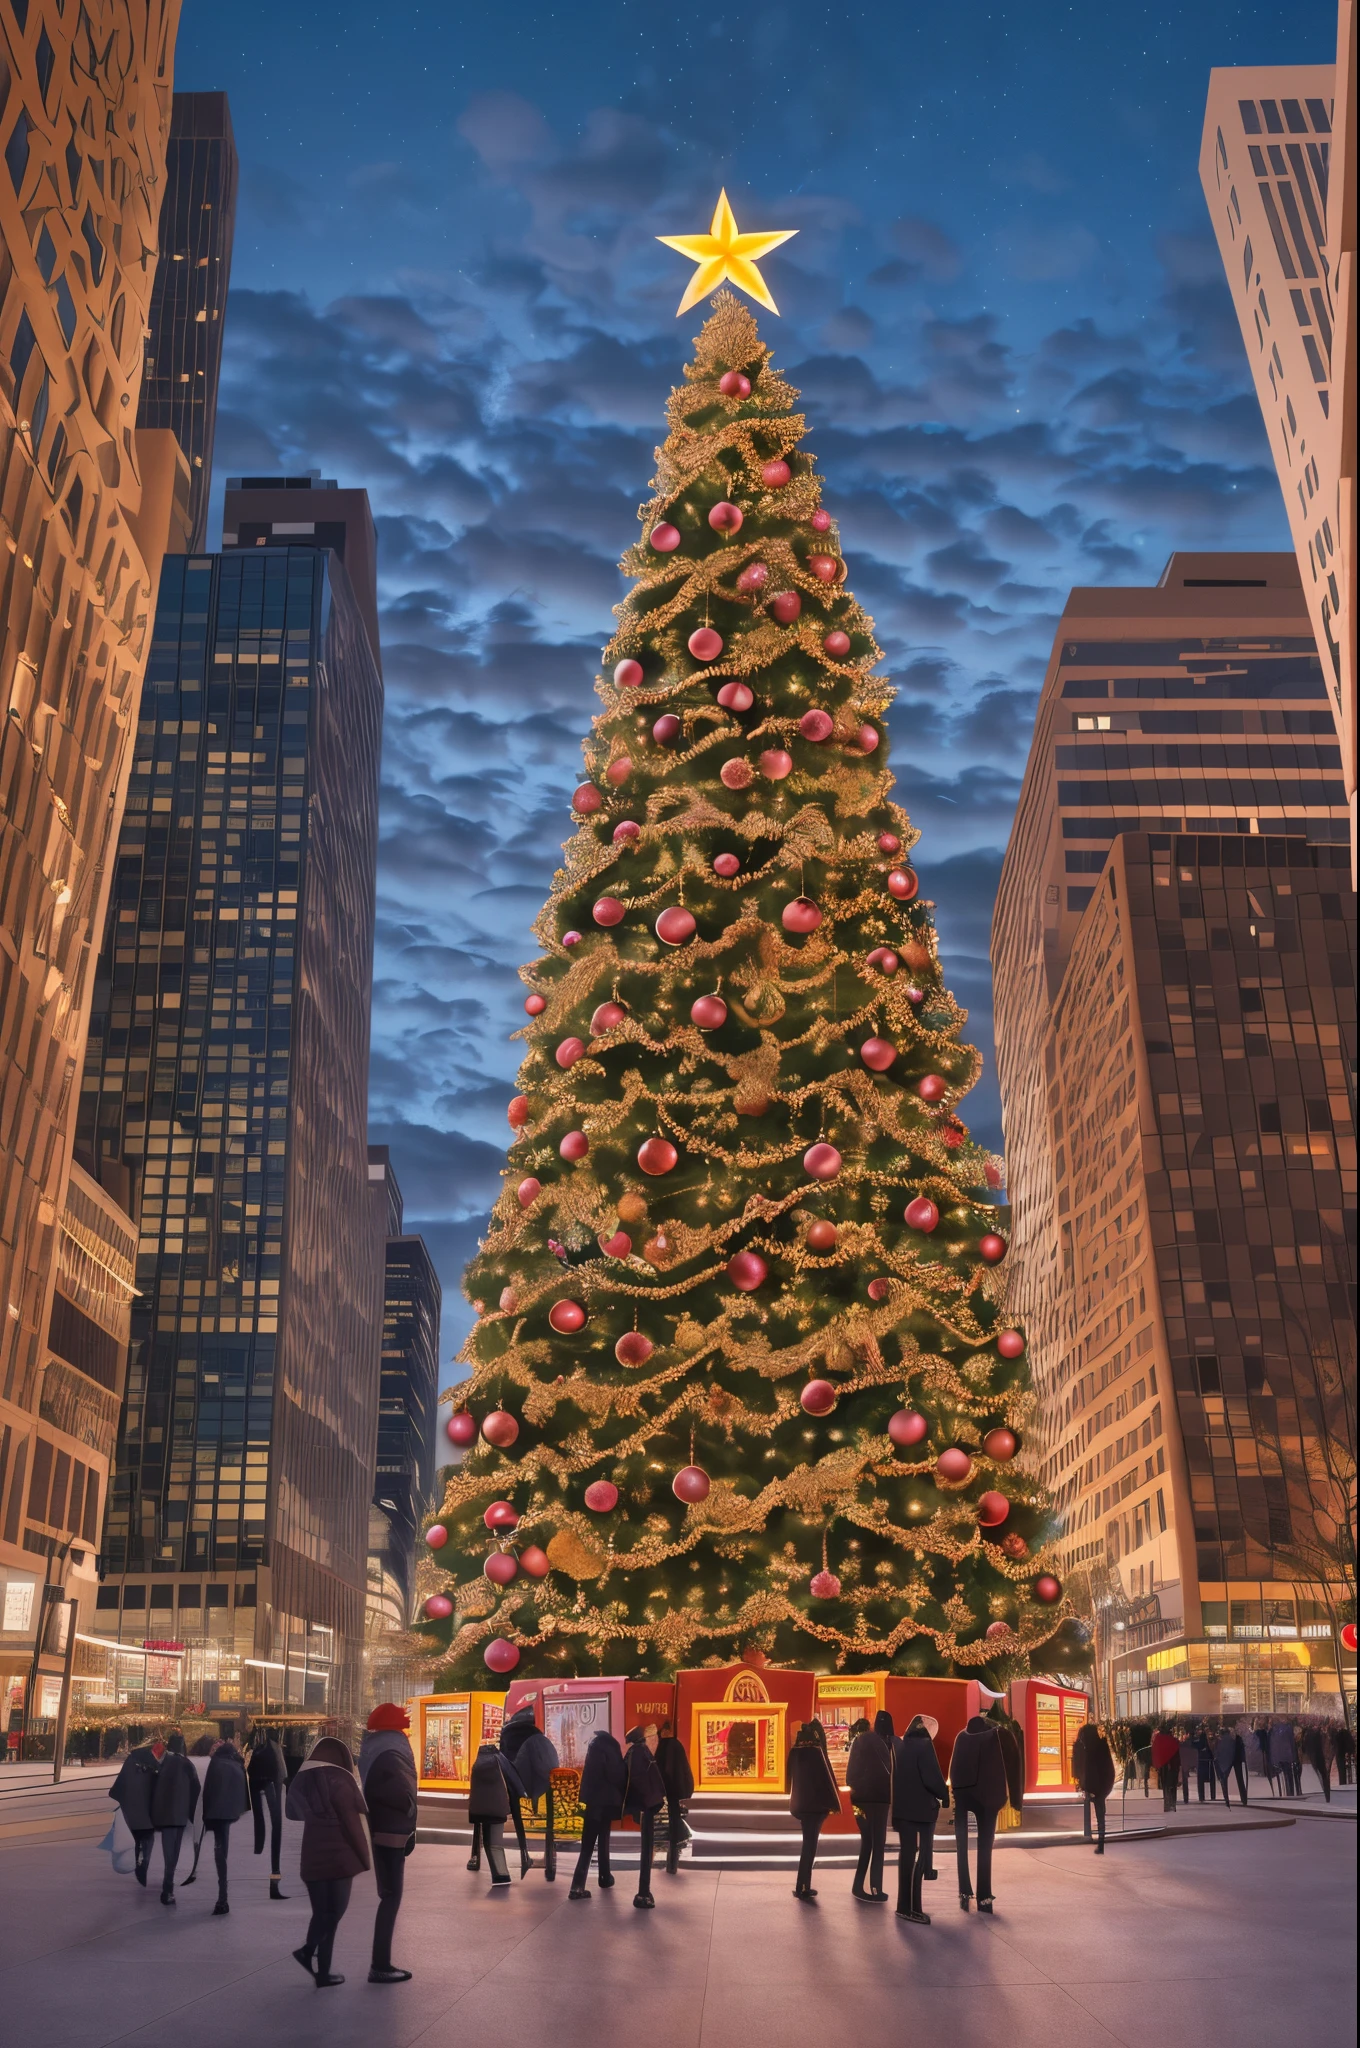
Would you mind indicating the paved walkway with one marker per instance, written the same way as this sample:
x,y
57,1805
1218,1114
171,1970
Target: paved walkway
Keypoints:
x,y
1212,1940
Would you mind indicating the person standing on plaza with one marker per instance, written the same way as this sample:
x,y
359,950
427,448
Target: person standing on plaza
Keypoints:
x,y
1261,1742
1166,1762
225,1798
1097,1774
174,1802
1225,1756
813,1794
604,1783
1343,1748
1313,1744
1081,1743
672,1761
199,1754
1189,1763
1204,1762
918,1792
643,1797
1284,1756
132,1790
1240,1759
387,1774
868,1778
515,1732
493,1785
977,1773
327,1798
534,1758
267,1777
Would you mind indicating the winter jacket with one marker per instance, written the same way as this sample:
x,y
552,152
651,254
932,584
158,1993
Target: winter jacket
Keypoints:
x,y
1204,1754
1014,1763
265,1765
1097,1774
603,1779
869,1770
919,1789
1165,1750
327,1799
529,1750
175,1798
387,1772
133,1787
644,1786
493,1783
673,1763
811,1782
977,1768
1314,1750
1282,1746
1225,1752
225,1796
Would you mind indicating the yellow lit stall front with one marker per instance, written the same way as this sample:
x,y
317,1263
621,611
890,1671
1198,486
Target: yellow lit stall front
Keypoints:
x,y
841,1701
449,1728
740,1740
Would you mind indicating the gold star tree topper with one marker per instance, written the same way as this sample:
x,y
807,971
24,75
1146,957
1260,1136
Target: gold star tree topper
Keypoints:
x,y
724,252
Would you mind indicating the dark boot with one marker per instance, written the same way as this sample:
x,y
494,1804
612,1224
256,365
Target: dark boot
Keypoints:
x,y
274,1891
221,1906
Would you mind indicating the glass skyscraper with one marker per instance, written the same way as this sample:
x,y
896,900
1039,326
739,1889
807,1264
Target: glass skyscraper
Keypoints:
x,y
404,1481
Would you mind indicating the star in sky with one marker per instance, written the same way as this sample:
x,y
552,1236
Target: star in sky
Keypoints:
x,y
725,253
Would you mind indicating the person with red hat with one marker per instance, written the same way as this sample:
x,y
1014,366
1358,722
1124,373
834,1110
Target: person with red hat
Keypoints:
x,y
387,1771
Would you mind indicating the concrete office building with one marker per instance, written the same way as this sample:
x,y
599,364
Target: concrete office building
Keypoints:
x,y
1183,736
1277,163
88,504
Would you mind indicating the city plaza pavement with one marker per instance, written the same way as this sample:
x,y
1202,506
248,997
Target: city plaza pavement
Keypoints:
x,y
1223,1936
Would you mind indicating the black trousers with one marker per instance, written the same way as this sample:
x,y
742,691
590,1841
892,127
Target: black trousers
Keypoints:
x,y
812,1828
490,1835
171,1840
1207,1778
389,1868
675,1829
268,1796
647,1829
964,1804
1225,1779
329,1897
1240,1773
915,1847
220,1830
549,1838
517,1816
1098,1801
1185,1789
594,1842
1167,1778
143,1840
873,1840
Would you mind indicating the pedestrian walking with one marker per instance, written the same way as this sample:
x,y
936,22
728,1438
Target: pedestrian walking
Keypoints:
x,y
516,1731
1166,1762
199,1755
1315,1752
1189,1763
918,1792
327,1798
1240,1760
534,1759
267,1777
868,1778
1097,1774
387,1776
604,1783
132,1790
672,1760
225,1798
644,1795
1225,1756
1284,1757
174,1801
1343,1748
1261,1745
492,1784
1204,1763
1081,1742
977,1774
813,1794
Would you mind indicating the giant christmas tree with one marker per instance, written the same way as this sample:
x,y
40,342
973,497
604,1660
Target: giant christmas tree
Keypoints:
x,y
742,1378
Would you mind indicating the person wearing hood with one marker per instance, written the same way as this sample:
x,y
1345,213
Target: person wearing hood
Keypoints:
x,y
387,1774
977,1772
225,1799
132,1790
868,1777
1093,1763
918,1793
327,1798
174,1801
672,1761
644,1793
535,1759
493,1784
267,1776
604,1784
813,1794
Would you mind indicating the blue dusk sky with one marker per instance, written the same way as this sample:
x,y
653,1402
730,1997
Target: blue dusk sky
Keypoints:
x,y
1003,307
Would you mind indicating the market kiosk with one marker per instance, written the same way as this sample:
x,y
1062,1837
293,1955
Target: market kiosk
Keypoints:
x,y
447,1730
738,1723
1050,1716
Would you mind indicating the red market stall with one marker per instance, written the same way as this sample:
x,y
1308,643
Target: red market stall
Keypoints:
x,y
1050,1716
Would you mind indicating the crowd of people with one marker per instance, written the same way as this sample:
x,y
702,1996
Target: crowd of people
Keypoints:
x,y
1216,1755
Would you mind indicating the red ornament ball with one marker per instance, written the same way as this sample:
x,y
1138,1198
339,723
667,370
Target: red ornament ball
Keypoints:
x,y
818,1397
1015,1546
691,1484
571,938
906,1428
627,829
836,644
667,729
932,1087
500,1428
633,1348
605,1017
708,1012
824,1585
915,995
774,475
1000,1445
726,865
628,673
608,911
820,521
436,1536
922,1214
903,883
507,1301
665,538
736,697
704,644
726,517
500,1656
822,1162
569,1051
657,1156
675,926
575,1145
601,1495
501,1517
747,1270
616,1247
992,1248
529,1191
517,1111
736,773
1047,1589
884,959
733,385
619,770
1011,1344
438,1607
888,842
785,606
535,1005
868,738
753,577
879,1290
800,915
534,1561
461,1428
953,1465
821,1237
952,1135
877,1054
816,725
996,1629
824,567
567,1317
992,1510
586,798
775,764
500,1568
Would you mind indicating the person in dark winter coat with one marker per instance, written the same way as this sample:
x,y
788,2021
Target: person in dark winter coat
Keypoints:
x,y
643,1797
1313,1744
1189,1763
977,1772
519,1729
225,1799
1166,1762
267,1776
327,1798
672,1761
132,1790
535,1760
1011,1737
918,1793
868,1777
174,1802
813,1794
1204,1763
387,1774
604,1783
1083,1743
1093,1768
493,1784
1343,1748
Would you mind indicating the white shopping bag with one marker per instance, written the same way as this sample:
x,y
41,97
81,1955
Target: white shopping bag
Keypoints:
x,y
120,1845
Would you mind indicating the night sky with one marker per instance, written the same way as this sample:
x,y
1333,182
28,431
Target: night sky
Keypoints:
x,y
1003,307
